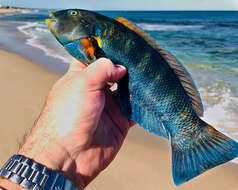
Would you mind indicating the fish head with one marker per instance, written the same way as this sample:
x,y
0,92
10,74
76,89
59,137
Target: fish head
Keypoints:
x,y
76,30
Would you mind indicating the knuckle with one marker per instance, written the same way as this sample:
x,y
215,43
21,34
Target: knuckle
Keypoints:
x,y
105,62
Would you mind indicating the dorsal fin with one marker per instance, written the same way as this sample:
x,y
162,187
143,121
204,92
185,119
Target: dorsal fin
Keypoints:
x,y
178,68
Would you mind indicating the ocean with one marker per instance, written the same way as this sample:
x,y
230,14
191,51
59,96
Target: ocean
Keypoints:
x,y
206,42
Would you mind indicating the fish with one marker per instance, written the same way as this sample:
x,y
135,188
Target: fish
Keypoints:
x,y
158,92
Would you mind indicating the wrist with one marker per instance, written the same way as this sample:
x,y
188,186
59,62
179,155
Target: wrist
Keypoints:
x,y
28,174
6,184
46,150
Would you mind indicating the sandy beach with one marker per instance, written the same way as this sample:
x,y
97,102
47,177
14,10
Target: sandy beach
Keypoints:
x,y
144,161
9,10
24,89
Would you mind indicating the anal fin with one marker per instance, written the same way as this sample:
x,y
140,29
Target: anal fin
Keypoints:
x,y
148,121
136,112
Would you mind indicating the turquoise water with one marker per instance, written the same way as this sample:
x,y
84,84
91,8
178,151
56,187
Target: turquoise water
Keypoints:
x,y
205,41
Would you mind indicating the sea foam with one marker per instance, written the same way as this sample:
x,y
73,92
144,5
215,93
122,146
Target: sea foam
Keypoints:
x,y
163,27
220,115
26,11
38,36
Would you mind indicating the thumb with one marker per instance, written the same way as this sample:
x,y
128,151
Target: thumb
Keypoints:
x,y
76,65
103,71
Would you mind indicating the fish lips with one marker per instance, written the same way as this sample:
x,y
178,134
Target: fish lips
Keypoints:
x,y
64,40
51,26
50,22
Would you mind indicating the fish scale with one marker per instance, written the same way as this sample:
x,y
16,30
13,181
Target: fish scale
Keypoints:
x,y
158,92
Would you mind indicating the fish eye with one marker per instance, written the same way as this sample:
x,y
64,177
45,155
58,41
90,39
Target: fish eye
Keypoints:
x,y
74,13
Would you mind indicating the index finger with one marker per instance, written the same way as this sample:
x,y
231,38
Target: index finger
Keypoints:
x,y
76,65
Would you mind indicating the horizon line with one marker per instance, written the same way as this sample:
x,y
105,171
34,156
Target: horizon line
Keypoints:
x,y
4,6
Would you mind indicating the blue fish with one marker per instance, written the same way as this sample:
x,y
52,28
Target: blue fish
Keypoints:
x,y
158,93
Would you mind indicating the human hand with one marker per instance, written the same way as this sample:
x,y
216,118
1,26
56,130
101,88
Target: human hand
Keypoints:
x,y
81,128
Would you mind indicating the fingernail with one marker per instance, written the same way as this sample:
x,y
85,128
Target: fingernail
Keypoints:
x,y
121,67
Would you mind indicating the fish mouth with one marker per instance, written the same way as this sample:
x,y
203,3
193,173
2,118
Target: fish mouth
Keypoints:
x,y
50,20
50,23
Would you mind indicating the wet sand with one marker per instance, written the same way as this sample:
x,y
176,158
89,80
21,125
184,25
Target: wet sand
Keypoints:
x,y
144,162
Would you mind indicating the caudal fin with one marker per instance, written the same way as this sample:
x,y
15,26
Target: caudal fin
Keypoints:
x,y
208,149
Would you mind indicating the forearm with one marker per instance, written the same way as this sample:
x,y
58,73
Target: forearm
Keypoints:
x,y
43,149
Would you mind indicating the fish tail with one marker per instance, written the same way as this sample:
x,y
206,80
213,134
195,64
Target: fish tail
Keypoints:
x,y
206,149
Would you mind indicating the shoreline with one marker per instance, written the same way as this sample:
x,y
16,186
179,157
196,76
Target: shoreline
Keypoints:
x,y
144,162
14,36
9,10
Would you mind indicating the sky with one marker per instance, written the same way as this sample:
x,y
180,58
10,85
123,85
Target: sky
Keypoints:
x,y
127,4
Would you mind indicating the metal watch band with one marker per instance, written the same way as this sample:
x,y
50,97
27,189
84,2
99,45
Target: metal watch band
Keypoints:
x,y
31,175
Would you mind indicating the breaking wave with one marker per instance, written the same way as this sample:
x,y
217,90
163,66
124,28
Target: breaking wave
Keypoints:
x,y
163,27
39,37
221,110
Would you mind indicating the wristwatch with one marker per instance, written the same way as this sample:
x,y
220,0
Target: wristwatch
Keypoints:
x,y
31,175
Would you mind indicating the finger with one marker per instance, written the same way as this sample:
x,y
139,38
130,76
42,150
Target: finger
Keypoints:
x,y
132,123
113,110
110,84
76,65
103,71
114,87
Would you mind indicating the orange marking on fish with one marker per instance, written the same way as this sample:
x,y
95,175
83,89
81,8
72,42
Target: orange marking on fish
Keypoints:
x,y
88,47
85,42
91,51
52,15
105,32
